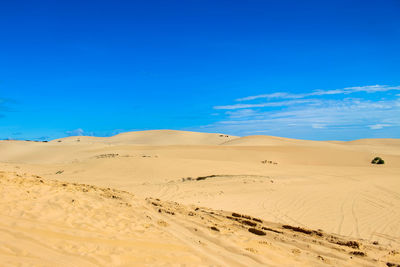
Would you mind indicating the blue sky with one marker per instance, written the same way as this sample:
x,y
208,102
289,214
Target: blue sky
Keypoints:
x,y
302,69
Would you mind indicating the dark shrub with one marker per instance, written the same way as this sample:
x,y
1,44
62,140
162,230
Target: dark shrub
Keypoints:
x,y
378,160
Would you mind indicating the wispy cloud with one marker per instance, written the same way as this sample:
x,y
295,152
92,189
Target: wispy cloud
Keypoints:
x,y
268,104
82,132
307,114
347,90
77,132
378,126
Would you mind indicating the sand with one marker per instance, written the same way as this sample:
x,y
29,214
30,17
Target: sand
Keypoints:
x,y
87,201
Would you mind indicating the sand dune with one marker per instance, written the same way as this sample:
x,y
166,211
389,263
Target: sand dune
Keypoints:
x,y
52,223
312,184
263,140
381,141
154,137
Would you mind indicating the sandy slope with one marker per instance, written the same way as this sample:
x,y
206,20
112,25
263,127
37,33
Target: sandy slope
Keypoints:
x,y
52,223
319,185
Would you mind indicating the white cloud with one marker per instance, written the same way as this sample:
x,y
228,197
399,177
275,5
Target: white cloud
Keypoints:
x,y
371,88
318,126
270,96
308,117
378,126
267,104
76,132
347,90
241,113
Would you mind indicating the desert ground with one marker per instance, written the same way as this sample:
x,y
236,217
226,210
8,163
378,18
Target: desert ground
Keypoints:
x,y
162,198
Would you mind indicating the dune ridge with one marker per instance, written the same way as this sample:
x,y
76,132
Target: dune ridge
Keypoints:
x,y
175,137
154,137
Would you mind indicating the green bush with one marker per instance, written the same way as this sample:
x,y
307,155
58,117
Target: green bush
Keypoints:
x,y
378,160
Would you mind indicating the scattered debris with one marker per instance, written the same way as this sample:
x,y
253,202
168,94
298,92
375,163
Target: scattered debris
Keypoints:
x,y
234,214
269,162
302,230
250,223
256,231
162,223
271,230
166,211
204,177
352,244
110,155
296,251
252,250
257,220
358,253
